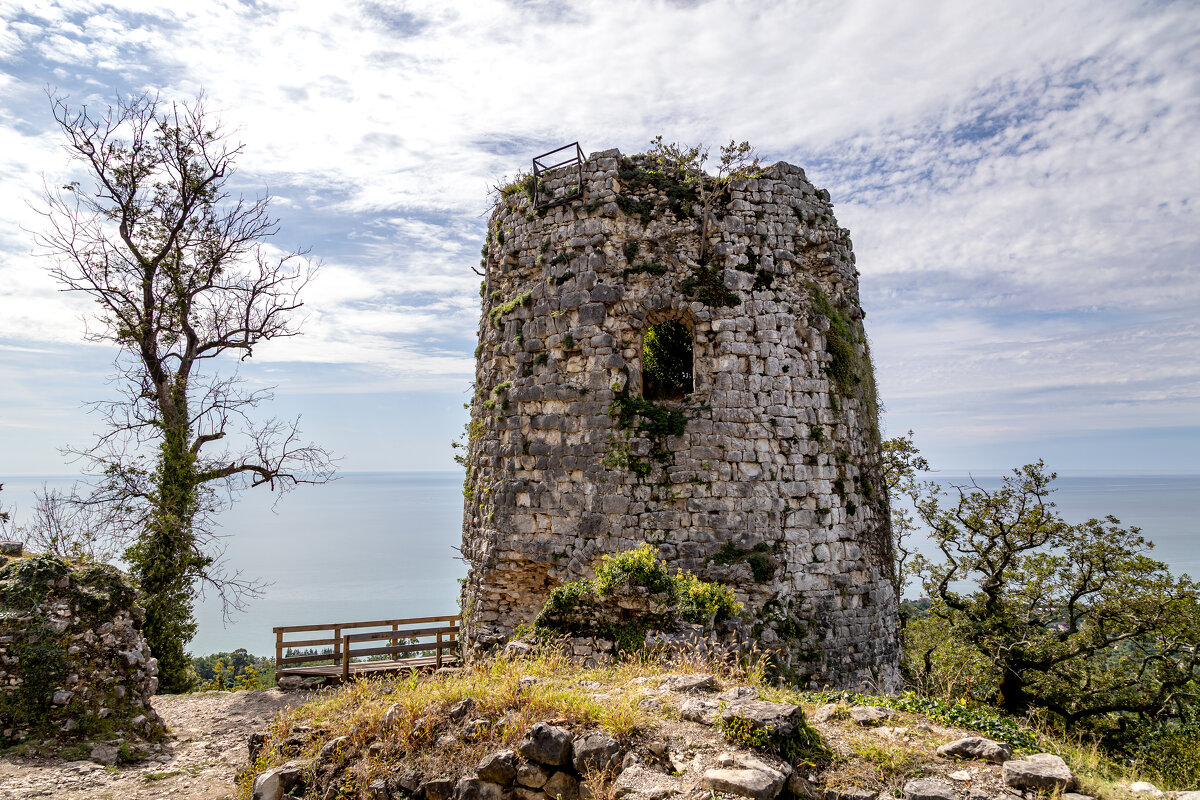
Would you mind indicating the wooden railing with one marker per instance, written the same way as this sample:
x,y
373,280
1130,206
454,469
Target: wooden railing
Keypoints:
x,y
399,634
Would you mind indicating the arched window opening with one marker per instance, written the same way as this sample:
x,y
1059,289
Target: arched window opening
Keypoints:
x,y
667,361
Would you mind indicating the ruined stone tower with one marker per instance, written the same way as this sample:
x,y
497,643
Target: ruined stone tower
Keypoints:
x,y
759,469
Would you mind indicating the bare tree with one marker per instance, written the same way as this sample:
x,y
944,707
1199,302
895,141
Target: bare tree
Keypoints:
x,y
181,274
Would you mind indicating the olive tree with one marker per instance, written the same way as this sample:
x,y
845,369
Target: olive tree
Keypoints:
x,y
181,274
1074,618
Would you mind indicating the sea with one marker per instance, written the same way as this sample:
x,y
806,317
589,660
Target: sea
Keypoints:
x,y
378,545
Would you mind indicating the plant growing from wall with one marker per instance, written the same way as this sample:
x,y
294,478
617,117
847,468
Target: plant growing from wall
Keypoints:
x,y
638,417
499,312
583,607
758,558
685,165
849,368
706,285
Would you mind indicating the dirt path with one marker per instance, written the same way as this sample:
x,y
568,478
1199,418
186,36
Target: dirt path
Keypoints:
x,y
208,742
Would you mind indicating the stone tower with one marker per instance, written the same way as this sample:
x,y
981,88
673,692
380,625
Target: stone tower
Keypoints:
x,y
762,472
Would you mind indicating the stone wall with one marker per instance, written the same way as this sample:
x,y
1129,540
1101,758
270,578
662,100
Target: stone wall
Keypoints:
x,y
766,477
73,663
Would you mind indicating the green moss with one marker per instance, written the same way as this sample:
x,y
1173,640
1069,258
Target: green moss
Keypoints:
x,y
560,279
849,367
763,281
679,194
498,313
636,207
636,416
804,745
646,268
706,285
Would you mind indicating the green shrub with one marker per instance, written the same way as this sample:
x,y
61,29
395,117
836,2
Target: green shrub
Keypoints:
x,y
802,746
701,601
1171,756
577,607
637,567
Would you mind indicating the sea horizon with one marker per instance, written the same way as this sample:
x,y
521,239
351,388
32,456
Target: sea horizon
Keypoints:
x,y
379,544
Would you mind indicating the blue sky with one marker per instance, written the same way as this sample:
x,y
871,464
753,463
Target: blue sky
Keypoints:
x,y
1019,180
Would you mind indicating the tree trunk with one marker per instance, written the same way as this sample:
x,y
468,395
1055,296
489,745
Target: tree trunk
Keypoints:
x,y
166,563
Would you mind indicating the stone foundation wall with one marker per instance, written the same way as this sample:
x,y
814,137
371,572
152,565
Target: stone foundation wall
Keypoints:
x,y
766,477
73,662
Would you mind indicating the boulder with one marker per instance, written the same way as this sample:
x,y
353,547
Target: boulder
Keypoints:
x,y
546,744
976,747
825,712
870,715
783,718
738,693
753,783
690,683
596,752
1145,787
562,786
517,649
440,788
9,547
802,787
274,783
925,789
1043,771
532,775
410,781
1180,796
334,750
500,767
460,710
254,745
696,709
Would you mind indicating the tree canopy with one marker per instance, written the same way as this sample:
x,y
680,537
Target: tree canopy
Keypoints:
x,y
1073,618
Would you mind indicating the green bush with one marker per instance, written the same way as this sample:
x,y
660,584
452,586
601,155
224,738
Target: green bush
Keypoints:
x,y
1172,756
578,607
939,663
637,567
802,746
701,601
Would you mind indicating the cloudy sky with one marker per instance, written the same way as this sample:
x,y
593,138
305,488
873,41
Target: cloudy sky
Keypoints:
x,y
1019,180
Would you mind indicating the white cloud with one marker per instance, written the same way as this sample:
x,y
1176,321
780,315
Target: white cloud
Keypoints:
x,y
1023,174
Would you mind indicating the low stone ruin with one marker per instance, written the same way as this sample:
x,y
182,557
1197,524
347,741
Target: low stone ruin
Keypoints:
x,y
75,670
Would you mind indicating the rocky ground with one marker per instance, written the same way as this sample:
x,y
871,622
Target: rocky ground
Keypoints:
x,y
207,743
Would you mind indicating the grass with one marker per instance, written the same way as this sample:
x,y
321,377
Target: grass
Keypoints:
x,y
422,736
150,777
422,717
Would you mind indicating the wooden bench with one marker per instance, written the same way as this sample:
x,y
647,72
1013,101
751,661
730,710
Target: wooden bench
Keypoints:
x,y
435,639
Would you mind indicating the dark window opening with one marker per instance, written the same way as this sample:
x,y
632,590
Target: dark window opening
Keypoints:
x,y
667,361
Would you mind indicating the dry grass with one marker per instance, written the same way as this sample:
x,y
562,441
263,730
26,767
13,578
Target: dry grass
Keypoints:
x,y
583,699
562,692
